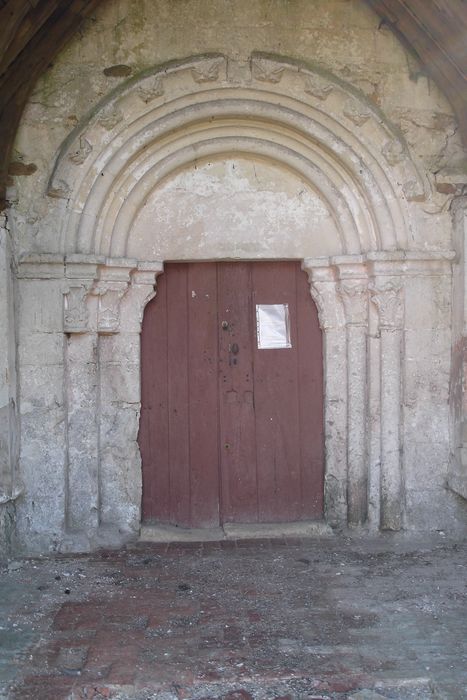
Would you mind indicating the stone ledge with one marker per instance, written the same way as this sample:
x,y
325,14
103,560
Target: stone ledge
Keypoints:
x,y
234,531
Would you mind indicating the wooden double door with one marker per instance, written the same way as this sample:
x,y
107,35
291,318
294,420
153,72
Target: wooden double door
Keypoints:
x,y
232,396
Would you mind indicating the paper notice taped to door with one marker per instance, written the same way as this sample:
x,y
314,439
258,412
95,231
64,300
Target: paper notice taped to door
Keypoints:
x,y
272,326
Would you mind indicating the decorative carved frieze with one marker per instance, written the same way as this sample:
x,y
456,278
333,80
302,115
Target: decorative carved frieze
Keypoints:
x,y
414,191
357,112
150,90
316,86
110,117
266,71
59,189
387,297
393,151
79,154
208,71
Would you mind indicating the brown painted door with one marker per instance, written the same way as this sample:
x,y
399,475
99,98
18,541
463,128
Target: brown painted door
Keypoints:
x,y
231,432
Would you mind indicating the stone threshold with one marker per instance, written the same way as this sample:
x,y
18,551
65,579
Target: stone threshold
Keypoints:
x,y
234,531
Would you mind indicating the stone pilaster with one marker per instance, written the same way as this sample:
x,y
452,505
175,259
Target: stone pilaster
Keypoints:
x,y
353,289
81,398
387,296
323,287
120,397
103,471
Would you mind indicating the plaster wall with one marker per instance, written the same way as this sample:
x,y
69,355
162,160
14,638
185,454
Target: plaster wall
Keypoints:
x,y
275,130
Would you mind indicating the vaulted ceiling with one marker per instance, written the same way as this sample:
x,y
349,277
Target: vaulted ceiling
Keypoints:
x,y
32,32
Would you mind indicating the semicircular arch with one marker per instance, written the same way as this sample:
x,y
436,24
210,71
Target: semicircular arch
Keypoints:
x,y
138,138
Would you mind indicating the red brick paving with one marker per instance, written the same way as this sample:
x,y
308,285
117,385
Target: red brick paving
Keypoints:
x,y
265,618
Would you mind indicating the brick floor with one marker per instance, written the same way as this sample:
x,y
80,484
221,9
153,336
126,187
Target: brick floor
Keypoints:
x,y
261,620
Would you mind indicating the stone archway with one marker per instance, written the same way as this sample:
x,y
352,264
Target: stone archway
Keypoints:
x,y
358,180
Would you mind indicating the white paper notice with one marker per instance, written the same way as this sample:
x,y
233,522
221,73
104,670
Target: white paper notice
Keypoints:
x,y
272,326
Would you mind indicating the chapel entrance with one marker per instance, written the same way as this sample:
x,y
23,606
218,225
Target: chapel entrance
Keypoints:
x,y
232,396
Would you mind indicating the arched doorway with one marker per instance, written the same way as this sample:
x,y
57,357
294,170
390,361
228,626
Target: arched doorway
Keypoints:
x,y
191,162
232,396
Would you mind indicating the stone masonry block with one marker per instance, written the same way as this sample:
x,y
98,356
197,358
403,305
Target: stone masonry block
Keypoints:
x,y
428,302
40,306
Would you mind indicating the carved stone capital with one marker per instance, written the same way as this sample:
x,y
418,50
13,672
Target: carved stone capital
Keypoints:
x,y
75,312
387,297
108,308
323,289
354,295
141,291
95,290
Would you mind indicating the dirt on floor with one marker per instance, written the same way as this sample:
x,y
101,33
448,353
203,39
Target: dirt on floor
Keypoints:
x,y
281,619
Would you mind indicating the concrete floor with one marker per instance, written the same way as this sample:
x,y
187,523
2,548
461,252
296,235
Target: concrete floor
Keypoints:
x,y
286,619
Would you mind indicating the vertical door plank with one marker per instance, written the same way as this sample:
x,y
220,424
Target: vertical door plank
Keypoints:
x,y
310,373
153,437
203,394
178,400
277,404
239,502
196,399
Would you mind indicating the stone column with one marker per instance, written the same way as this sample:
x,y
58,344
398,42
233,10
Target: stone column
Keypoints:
x,y
353,289
103,307
387,295
457,477
323,287
374,419
124,293
81,395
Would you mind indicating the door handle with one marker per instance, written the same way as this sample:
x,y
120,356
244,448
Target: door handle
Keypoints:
x,y
233,348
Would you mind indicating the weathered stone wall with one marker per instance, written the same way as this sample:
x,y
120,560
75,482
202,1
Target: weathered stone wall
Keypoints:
x,y
296,130
339,36
9,486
